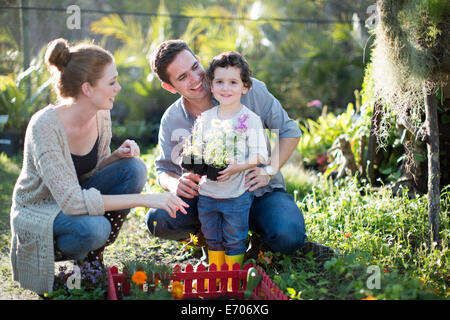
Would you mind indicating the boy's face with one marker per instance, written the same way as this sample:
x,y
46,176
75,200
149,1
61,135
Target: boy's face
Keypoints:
x,y
227,86
187,75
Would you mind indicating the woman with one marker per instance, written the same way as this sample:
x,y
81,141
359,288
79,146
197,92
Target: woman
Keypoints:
x,y
73,193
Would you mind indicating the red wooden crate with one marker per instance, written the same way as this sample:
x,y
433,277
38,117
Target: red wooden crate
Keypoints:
x,y
265,290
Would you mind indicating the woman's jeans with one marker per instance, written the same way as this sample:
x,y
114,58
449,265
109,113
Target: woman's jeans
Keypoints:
x,y
225,222
274,216
76,236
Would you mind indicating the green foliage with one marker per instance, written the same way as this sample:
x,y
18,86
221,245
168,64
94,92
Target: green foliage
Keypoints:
x,y
15,99
141,101
408,40
368,228
311,61
319,136
9,171
299,182
376,234
10,51
156,285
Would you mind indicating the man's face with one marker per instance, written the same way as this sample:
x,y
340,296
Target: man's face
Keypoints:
x,y
187,75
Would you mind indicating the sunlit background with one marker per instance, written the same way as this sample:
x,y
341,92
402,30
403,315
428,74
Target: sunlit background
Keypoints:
x,y
310,54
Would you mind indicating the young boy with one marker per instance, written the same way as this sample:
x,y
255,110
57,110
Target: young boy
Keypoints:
x,y
224,205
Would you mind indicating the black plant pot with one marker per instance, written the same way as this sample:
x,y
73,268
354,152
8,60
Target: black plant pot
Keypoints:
x,y
212,172
187,163
199,167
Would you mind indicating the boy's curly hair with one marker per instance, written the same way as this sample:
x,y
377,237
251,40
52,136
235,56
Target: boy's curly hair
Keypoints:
x,y
230,59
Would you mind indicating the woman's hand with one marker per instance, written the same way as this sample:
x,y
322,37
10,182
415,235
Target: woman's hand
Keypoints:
x,y
128,149
166,201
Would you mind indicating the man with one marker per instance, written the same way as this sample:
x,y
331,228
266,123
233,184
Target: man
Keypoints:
x,y
274,215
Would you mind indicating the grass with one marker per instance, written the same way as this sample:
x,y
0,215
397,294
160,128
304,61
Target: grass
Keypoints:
x,y
382,240
373,232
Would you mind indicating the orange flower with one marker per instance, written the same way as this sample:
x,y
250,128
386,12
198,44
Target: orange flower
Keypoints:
x,y
139,277
369,298
348,235
177,290
262,257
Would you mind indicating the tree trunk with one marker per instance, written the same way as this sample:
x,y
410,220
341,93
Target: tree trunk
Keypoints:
x,y
372,143
432,128
349,162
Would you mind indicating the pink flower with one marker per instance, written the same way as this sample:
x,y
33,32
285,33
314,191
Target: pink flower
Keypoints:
x,y
315,103
242,127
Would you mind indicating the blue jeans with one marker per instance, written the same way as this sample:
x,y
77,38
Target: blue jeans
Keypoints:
x,y
274,216
224,222
76,236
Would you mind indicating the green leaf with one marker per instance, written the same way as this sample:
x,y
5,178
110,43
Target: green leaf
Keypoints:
x,y
419,158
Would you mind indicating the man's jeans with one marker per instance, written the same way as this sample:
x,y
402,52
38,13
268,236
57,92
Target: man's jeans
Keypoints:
x,y
77,235
274,216
224,222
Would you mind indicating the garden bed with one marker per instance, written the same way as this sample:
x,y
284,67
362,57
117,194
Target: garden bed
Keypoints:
x,y
264,288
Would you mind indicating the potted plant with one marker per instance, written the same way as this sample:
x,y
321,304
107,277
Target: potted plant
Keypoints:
x,y
195,147
187,156
197,152
192,156
216,158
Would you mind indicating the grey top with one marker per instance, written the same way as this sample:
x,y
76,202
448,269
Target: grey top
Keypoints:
x,y
177,123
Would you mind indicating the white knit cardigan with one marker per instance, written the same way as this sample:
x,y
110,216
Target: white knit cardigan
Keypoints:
x,y
48,184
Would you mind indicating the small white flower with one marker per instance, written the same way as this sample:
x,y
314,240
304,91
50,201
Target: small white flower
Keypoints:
x,y
215,123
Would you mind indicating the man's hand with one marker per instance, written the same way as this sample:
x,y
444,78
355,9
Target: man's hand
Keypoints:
x,y
256,178
188,185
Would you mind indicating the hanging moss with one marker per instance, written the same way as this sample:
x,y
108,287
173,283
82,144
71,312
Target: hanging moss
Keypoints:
x,y
411,43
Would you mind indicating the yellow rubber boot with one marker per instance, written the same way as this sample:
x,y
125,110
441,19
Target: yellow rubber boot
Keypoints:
x,y
218,258
230,260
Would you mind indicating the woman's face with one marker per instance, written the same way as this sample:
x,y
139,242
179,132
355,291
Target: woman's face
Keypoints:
x,y
106,88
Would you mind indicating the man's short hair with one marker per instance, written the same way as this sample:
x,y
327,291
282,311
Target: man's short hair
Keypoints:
x,y
230,59
164,54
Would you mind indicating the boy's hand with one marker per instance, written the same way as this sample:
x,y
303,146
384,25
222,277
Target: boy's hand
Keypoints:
x,y
232,168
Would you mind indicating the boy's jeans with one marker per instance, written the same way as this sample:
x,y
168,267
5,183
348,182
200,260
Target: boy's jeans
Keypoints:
x,y
77,235
225,222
